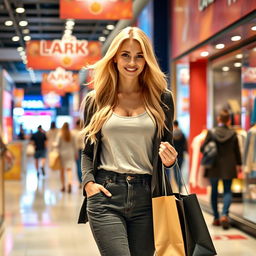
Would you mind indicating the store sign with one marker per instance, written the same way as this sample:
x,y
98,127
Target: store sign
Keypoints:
x,y
249,75
18,96
96,9
68,53
52,100
60,81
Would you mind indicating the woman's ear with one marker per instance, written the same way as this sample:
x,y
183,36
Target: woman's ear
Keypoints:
x,y
114,60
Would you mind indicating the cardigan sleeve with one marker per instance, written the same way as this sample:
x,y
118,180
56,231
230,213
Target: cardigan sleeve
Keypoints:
x,y
87,152
169,115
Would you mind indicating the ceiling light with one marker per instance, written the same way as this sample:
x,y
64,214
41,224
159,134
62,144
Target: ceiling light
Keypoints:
x,y
110,27
8,23
23,23
15,38
20,10
225,68
219,46
27,38
22,53
239,56
253,28
105,32
254,49
204,54
25,31
20,49
102,38
235,38
238,64
70,23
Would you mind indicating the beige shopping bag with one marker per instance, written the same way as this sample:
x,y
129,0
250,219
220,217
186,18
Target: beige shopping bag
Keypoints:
x,y
167,229
54,160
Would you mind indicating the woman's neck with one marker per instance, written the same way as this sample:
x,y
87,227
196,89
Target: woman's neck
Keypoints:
x,y
128,86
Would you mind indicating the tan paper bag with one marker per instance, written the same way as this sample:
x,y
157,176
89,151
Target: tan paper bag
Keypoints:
x,y
54,160
167,229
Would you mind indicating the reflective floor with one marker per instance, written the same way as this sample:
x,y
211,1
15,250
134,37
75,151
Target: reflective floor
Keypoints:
x,y
41,221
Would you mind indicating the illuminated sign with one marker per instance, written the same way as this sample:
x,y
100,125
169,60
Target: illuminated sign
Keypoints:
x,y
68,53
96,9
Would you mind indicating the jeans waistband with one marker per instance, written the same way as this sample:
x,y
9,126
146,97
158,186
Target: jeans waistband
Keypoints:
x,y
123,177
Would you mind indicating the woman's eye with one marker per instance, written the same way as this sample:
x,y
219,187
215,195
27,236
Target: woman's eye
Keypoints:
x,y
126,55
140,56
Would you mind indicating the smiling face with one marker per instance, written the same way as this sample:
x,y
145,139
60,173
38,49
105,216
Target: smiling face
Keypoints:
x,y
130,59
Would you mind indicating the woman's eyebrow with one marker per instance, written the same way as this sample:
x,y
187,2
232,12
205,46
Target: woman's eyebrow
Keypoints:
x,y
130,52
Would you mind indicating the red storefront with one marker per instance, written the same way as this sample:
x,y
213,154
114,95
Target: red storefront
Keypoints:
x,y
213,57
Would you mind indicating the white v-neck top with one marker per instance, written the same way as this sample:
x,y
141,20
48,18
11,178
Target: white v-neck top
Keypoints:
x,y
127,144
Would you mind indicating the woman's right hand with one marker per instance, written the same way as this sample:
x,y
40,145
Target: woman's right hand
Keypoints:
x,y
92,188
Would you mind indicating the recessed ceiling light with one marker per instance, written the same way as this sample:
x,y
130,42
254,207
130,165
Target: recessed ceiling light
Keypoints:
x,y
204,54
102,38
239,56
27,38
20,49
20,10
25,31
70,23
105,32
238,64
15,38
225,68
235,38
219,46
23,23
110,27
8,23
253,28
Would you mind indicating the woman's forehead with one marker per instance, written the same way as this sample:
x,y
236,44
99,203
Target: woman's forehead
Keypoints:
x,y
130,45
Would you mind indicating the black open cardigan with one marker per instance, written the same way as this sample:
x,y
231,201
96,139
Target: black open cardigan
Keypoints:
x,y
91,152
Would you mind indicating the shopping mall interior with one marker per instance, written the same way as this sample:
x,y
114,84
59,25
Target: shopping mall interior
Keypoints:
x,y
206,49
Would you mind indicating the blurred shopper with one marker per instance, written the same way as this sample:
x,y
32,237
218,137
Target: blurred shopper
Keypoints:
x,y
21,135
225,167
67,149
128,129
39,139
52,136
180,144
79,146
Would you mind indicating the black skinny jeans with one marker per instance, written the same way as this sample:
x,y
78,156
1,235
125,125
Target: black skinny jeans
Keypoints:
x,y
122,225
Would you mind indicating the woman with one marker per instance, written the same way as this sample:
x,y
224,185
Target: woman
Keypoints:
x,y
51,136
67,149
128,121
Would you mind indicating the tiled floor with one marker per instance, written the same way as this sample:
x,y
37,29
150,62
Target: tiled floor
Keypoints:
x,y
41,221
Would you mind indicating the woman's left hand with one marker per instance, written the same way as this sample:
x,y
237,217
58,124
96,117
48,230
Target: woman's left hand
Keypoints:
x,y
167,153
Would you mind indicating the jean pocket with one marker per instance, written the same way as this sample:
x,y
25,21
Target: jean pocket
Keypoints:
x,y
94,195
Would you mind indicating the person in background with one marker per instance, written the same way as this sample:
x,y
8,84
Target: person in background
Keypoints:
x,y
79,146
39,140
180,144
226,166
21,135
128,135
52,136
66,146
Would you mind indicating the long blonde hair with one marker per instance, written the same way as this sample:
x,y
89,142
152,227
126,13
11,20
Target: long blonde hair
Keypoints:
x,y
65,132
152,81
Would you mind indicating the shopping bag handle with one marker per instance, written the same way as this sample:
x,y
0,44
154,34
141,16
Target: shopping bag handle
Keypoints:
x,y
164,185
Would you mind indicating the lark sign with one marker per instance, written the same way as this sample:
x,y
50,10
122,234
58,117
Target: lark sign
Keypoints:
x,y
68,53
60,82
96,9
